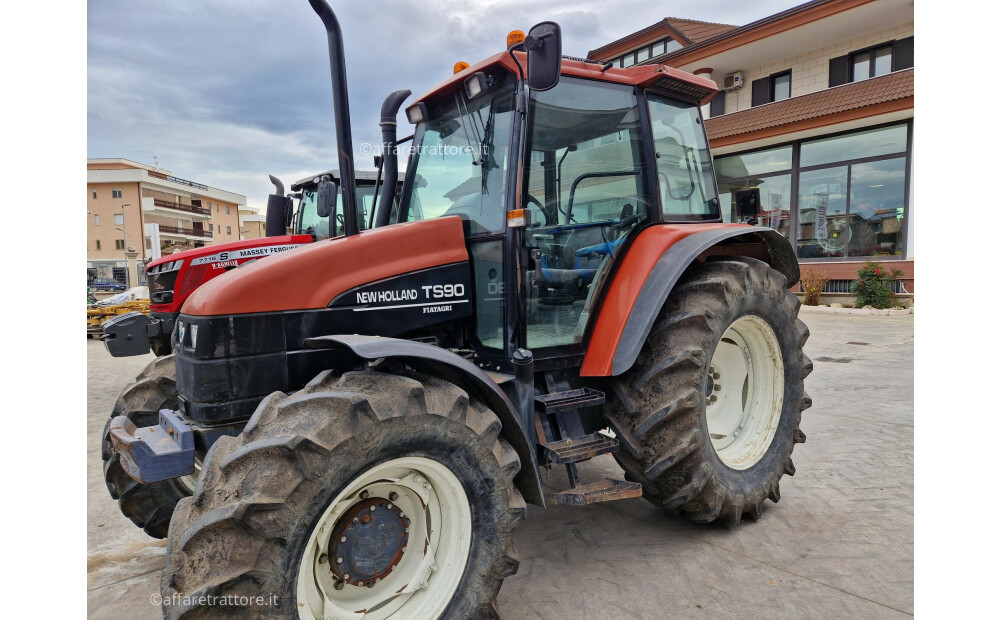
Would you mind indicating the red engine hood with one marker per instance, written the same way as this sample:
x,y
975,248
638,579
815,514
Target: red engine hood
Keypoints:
x,y
311,276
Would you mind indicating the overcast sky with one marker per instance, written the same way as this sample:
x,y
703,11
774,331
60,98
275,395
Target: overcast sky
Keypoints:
x,y
225,92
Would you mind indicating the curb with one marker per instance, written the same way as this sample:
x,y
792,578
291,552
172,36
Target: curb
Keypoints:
x,y
856,311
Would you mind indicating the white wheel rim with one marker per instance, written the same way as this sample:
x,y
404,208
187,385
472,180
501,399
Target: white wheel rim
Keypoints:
x,y
745,393
436,511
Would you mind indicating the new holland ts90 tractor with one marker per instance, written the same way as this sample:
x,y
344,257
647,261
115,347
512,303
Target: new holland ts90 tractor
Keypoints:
x,y
353,428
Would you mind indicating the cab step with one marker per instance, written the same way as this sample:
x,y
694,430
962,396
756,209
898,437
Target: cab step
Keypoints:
x,y
602,491
576,449
569,400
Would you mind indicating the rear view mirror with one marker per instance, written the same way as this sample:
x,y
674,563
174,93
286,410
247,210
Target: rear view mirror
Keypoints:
x,y
326,198
748,205
544,47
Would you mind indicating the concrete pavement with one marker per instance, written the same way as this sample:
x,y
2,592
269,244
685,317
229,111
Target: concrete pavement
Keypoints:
x,y
838,544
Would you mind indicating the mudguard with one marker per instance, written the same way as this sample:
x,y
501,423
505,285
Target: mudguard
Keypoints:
x,y
463,373
615,343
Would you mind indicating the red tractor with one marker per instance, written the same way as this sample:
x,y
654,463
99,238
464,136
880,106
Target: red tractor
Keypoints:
x,y
174,277
353,428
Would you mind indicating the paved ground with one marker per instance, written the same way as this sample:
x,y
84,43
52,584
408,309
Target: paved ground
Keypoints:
x,y
839,544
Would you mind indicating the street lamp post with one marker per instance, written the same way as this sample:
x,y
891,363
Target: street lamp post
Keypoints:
x,y
128,277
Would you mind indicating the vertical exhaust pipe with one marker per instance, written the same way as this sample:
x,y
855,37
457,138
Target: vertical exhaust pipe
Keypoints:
x,y
278,208
341,113
390,158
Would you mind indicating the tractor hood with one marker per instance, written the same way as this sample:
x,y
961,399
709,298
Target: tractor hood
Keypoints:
x,y
312,276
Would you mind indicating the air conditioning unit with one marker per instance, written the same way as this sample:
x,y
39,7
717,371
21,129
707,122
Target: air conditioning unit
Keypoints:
x,y
733,81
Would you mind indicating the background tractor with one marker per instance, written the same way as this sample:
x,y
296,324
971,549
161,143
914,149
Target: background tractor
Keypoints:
x,y
174,277
367,416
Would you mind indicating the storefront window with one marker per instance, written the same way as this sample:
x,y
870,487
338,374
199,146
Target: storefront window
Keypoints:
x,y
877,208
849,200
871,143
823,213
758,162
775,201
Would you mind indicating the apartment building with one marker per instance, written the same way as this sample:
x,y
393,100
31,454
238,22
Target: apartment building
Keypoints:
x,y
147,211
815,110
252,224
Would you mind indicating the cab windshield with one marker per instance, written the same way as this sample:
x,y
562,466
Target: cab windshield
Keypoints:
x,y
309,223
458,163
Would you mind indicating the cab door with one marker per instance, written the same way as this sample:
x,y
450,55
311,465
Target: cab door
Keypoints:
x,y
585,185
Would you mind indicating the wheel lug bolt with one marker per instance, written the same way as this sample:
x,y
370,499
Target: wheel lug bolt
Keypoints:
x,y
364,494
713,398
340,560
715,375
339,585
717,388
372,508
343,539
323,558
394,496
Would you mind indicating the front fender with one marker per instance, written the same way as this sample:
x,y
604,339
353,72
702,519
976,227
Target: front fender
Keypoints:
x,y
463,373
654,264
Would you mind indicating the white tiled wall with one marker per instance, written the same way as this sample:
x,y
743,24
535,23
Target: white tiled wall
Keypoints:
x,y
810,71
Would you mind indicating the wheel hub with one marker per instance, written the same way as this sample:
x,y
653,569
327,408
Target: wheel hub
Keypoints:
x,y
368,542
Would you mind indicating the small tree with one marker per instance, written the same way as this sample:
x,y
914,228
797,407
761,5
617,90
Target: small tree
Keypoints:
x,y
813,281
874,286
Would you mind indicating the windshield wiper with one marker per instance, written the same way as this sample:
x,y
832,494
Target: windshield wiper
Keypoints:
x,y
464,116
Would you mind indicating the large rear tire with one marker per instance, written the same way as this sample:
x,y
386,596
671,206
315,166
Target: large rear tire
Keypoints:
x,y
709,413
283,513
148,506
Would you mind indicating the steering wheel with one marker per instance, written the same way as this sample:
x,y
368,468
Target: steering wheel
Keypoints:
x,y
541,209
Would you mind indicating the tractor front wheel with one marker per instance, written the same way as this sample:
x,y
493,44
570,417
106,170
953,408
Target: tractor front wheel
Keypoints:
x,y
363,494
709,413
148,506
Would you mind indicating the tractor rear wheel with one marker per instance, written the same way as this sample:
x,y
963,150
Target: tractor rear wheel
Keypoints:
x,y
391,494
148,506
709,413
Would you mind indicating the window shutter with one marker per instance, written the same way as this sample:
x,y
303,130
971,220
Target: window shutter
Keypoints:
x,y
718,105
840,70
760,92
902,54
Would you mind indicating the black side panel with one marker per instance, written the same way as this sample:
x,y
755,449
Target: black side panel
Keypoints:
x,y
227,364
840,70
902,54
668,270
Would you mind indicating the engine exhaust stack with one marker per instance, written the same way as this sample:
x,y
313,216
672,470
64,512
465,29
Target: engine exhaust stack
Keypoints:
x,y
390,158
341,113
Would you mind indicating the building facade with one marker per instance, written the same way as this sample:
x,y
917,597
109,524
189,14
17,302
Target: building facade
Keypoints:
x,y
252,224
816,110
126,199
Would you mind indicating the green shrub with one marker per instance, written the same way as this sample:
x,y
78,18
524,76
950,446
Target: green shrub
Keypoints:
x,y
813,281
874,286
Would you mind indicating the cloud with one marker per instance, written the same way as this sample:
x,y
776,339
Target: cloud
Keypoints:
x,y
225,92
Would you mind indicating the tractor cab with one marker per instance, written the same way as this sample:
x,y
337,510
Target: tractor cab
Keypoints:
x,y
307,219
558,181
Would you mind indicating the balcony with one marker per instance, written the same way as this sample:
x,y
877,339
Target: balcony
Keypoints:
x,y
166,204
191,232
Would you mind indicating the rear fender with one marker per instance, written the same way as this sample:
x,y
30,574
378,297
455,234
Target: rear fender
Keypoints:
x,y
616,341
463,373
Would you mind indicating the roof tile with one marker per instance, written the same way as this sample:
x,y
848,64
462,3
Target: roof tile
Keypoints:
x,y
853,96
696,30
